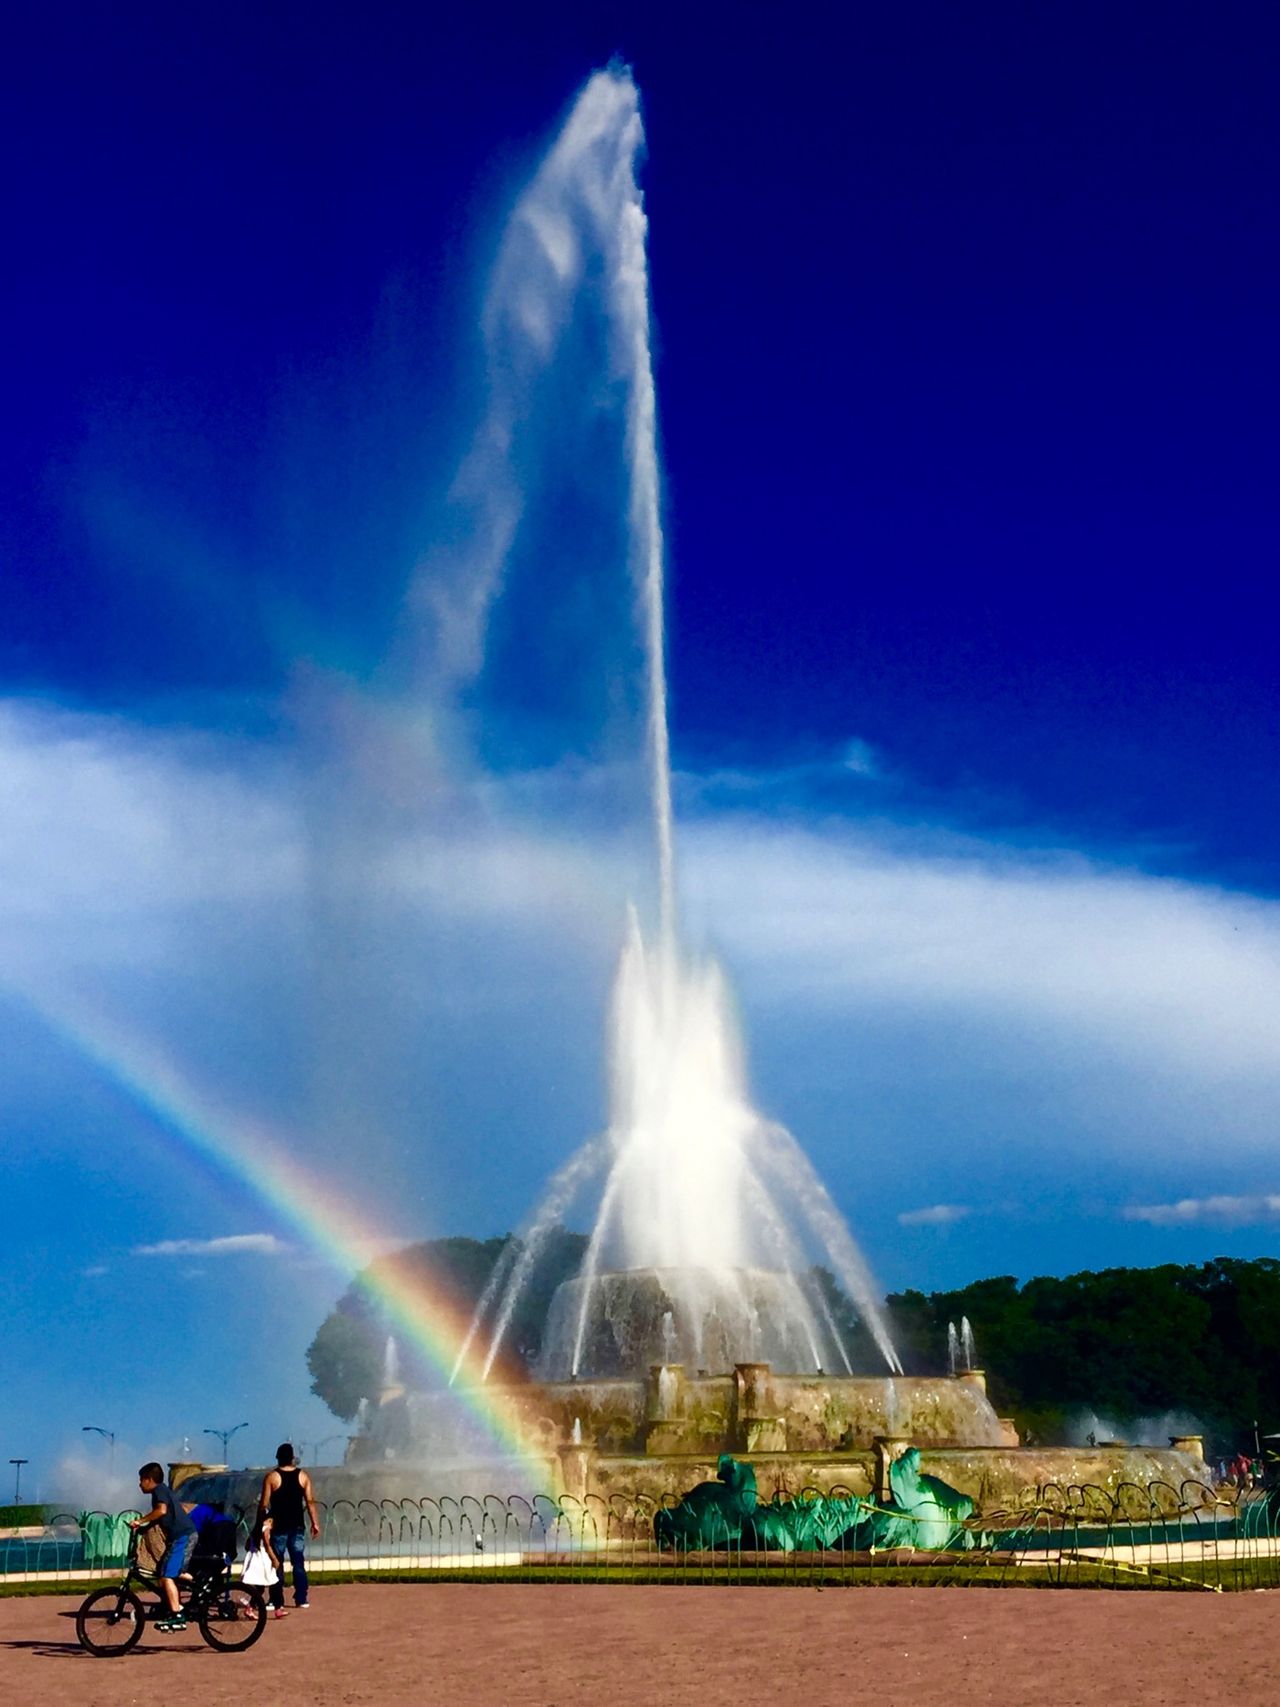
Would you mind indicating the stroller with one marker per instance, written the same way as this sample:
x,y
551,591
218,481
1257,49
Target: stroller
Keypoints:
x,y
214,1553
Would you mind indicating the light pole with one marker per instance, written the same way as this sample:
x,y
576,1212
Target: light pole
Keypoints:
x,y
109,1435
17,1478
224,1435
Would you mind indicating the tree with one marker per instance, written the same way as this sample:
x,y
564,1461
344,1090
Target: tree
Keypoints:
x,y
1129,1343
345,1360
346,1356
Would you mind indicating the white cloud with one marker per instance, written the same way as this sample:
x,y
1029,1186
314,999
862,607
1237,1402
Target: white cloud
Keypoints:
x,y
165,812
936,1215
1008,997
95,1271
1220,1211
232,1244
838,915
857,762
1113,960
862,759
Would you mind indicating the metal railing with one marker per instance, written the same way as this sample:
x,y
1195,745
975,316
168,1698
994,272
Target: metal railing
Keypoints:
x,y
1153,1535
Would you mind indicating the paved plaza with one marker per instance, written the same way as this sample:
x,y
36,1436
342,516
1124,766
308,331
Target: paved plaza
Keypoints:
x,y
490,1645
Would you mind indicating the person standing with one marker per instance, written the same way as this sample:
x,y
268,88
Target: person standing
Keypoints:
x,y
287,1500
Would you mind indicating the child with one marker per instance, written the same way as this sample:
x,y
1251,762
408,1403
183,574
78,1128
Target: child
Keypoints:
x,y
260,1540
178,1531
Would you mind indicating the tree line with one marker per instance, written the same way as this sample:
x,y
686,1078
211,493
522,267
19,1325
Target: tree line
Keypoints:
x,y
1196,1339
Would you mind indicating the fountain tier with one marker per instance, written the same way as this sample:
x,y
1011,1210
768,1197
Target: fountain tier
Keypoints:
x,y
623,1322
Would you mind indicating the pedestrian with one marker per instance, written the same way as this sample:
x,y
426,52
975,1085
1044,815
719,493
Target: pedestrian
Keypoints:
x,y
288,1502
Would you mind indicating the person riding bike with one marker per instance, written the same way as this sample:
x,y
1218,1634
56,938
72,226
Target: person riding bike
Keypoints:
x,y
178,1531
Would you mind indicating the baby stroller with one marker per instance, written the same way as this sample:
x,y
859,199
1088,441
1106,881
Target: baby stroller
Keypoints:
x,y
213,1555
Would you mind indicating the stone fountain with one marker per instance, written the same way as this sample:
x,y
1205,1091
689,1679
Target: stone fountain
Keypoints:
x,y
658,1431
696,1325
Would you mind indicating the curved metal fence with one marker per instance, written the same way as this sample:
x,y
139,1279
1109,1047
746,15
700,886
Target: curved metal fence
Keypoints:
x,y
1153,1535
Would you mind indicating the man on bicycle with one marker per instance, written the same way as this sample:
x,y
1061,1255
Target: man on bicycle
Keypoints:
x,y
178,1531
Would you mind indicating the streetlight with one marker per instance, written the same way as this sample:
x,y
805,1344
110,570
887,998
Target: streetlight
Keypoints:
x,y
17,1478
109,1435
224,1435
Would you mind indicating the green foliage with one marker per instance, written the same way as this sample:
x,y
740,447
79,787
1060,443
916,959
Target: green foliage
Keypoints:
x,y
346,1356
345,1360
1125,1342
21,1516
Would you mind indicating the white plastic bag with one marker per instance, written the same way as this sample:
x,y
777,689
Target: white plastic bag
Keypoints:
x,y
257,1571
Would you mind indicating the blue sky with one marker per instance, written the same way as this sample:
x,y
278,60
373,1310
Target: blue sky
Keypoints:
x,y
967,355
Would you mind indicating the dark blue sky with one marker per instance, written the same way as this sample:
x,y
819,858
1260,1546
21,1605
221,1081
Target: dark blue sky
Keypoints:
x,y
967,364
968,355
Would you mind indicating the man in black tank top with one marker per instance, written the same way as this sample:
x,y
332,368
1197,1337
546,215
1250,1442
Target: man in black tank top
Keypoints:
x,y
288,1501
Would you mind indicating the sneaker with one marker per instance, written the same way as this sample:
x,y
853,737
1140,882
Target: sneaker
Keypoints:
x,y
171,1626
280,1612
302,1606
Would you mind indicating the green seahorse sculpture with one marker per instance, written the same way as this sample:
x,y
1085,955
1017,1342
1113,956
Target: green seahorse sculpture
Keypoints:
x,y
923,1511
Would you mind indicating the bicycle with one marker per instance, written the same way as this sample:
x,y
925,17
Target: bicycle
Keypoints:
x,y
230,1616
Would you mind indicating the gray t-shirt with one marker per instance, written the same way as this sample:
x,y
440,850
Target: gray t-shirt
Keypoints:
x,y
175,1521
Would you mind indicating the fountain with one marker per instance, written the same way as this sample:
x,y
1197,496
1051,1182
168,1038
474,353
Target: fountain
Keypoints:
x,y
709,1219
961,1351
699,1323
391,1369
968,1351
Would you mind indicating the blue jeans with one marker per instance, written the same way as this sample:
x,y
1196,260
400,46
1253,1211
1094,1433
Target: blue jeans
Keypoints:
x,y
290,1542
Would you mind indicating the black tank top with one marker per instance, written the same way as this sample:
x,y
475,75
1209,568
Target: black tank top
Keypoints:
x,y
286,1502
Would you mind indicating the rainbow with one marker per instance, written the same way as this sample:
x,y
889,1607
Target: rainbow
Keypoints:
x,y
256,1157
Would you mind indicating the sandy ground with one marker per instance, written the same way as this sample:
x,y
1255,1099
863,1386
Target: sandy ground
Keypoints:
x,y
487,1645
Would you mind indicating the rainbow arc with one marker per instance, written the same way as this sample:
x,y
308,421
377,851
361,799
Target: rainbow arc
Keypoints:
x,y
253,1155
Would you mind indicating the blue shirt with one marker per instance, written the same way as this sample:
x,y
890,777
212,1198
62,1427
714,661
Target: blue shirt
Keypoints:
x,y
175,1521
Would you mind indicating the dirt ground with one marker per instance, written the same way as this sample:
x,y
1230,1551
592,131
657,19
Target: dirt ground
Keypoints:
x,y
487,1645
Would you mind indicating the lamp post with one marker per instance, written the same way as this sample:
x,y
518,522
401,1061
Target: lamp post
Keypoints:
x,y
109,1435
224,1435
17,1478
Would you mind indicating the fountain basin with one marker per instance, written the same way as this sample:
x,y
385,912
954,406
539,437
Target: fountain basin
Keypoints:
x,y
656,1436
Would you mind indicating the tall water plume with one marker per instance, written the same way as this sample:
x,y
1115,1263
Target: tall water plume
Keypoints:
x,y
709,1217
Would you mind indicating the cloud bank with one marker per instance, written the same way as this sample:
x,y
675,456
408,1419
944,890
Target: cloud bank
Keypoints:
x,y
1208,1211
962,1001
936,1215
231,1245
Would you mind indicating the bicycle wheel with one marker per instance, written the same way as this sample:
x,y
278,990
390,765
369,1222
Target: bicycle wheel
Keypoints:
x,y
110,1621
234,1621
